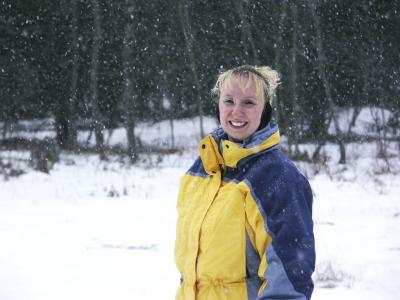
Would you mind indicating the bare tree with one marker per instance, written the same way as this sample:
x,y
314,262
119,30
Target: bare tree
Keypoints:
x,y
167,103
129,99
189,41
354,115
321,64
72,130
64,106
171,123
294,119
278,60
94,74
250,49
380,124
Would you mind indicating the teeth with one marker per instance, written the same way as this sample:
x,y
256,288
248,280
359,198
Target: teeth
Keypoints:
x,y
238,124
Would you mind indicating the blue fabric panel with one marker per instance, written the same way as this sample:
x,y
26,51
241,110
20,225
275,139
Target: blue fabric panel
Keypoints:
x,y
260,136
285,201
252,263
197,169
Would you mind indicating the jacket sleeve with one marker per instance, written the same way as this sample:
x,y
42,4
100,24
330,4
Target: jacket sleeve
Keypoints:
x,y
286,204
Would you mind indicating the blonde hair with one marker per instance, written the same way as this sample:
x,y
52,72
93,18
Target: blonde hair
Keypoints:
x,y
265,79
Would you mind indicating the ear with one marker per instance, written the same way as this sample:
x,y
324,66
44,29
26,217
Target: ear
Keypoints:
x,y
266,116
217,112
215,99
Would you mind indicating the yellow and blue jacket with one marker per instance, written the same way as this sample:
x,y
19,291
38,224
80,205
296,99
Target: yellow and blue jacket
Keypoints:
x,y
245,228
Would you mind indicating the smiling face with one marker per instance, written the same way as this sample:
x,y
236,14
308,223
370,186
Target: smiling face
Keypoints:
x,y
240,108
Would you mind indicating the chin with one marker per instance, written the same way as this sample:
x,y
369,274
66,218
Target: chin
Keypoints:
x,y
237,138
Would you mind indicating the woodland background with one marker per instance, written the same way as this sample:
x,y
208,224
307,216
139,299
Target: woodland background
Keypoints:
x,y
99,65
102,104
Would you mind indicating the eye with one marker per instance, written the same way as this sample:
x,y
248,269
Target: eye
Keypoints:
x,y
228,101
249,102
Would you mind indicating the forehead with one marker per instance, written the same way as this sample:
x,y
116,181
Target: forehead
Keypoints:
x,y
244,82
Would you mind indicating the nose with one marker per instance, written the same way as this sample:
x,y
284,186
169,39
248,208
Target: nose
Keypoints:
x,y
237,110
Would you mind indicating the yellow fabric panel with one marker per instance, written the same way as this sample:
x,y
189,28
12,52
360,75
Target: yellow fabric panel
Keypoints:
x,y
210,155
195,197
233,153
186,292
211,242
222,237
221,265
255,226
220,290
258,235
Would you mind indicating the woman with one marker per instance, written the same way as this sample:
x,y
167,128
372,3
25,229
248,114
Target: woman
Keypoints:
x,y
245,228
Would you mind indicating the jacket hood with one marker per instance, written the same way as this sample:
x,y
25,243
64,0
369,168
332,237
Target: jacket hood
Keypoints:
x,y
216,150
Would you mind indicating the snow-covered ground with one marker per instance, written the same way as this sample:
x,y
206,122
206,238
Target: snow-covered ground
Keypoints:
x,y
105,230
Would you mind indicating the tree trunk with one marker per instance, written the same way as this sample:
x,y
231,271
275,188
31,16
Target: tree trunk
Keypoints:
x,y
72,130
189,41
250,49
278,65
321,62
355,113
294,117
171,123
65,109
129,99
94,70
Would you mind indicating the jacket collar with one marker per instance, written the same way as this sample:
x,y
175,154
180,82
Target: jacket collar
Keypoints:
x,y
216,150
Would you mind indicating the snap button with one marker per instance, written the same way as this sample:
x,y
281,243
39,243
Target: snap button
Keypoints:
x,y
218,282
203,146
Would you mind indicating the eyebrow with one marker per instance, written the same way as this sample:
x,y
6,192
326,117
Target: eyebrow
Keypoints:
x,y
245,97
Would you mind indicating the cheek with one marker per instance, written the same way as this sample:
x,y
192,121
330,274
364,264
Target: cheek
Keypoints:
x,y
222,110
256,115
